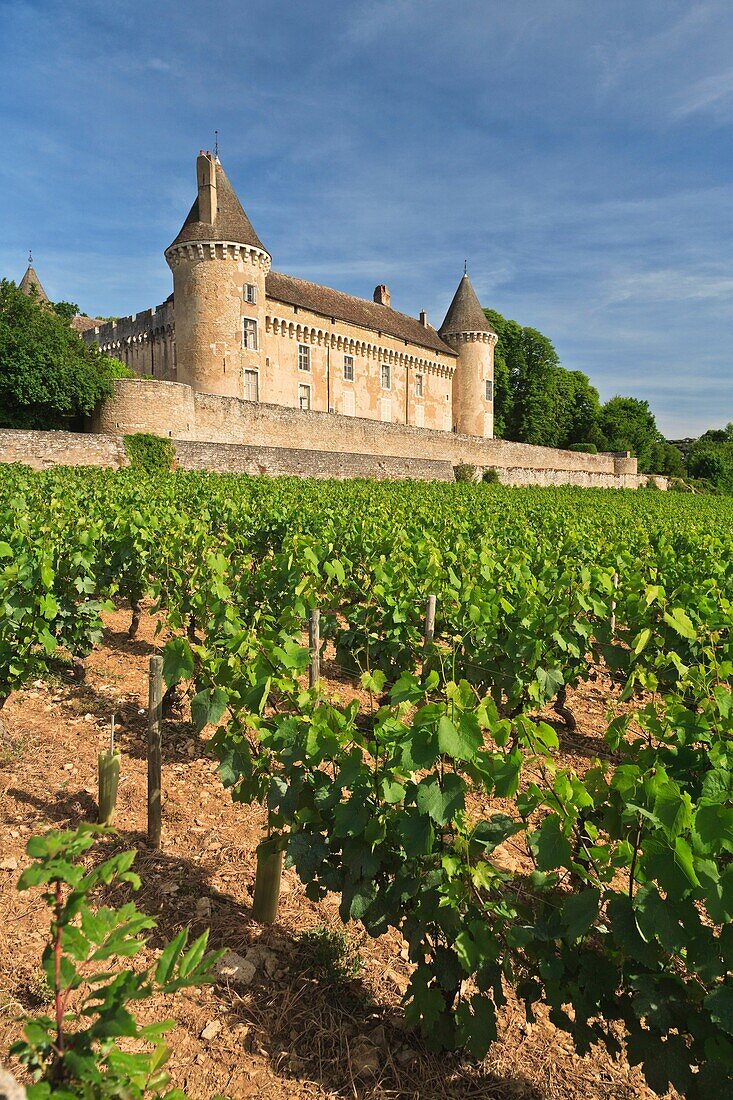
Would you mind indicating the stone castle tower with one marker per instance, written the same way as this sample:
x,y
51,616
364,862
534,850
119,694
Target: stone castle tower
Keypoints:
x,y
219,266
466,330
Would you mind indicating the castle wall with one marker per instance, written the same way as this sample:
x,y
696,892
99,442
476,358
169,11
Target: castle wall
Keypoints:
x,y
41,450
328,342
176,411
144,342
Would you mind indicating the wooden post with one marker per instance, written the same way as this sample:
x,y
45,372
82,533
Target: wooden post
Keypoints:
x,y
109,778
267,880
429,629
613,606
155,715
314,643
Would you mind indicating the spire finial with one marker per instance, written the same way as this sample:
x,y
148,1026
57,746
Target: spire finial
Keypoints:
x,y
30,256
465,267
216,145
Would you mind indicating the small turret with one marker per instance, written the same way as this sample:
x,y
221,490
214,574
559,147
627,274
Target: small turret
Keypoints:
x,y
219,266
467,331
30,284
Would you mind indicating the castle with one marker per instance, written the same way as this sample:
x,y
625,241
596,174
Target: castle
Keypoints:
x,y
249,370
236,328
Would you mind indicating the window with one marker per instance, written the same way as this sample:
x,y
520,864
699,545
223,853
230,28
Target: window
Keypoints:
x,y
250,293
249,333
304,397
419,416
348,368
385,409
251,385
386,376
489,390
418,385
304,357
348,402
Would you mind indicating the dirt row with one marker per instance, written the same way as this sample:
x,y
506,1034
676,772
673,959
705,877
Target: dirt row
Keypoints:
x,y
295,1029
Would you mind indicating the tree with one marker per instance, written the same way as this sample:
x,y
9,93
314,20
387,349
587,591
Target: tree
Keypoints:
x,y
503,396
67,310
710,464
49,377
628,424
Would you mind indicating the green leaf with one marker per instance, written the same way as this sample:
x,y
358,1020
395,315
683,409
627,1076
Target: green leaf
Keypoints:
x,y
441,803
579,912
680,621
177,661
550,845
208,706
416,832
169,957
641,641
719,1004
673,808
462,741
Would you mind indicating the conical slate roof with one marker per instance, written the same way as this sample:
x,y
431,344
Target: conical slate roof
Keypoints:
x,y
232,224
29,280
465,313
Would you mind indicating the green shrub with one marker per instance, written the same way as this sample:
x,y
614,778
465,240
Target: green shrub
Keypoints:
x,y
490,476
150,453
76,1054
465,472
584,448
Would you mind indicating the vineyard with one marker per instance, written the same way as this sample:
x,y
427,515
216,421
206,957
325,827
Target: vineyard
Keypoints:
x,y
409,755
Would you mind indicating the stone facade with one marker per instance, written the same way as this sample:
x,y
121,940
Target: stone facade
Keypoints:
x,y
234,328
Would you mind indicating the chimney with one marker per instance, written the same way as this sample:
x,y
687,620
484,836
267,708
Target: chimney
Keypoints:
x,y
423,318
381,294
206,179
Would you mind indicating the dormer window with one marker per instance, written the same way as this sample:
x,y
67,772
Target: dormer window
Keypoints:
x,y
250,294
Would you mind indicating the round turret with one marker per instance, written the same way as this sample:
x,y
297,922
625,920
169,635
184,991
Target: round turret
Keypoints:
x,y
219,266
466,330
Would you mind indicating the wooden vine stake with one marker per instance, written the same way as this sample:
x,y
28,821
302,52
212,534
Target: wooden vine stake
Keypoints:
x,y
155,716
428,633
614,579
314,644
109,779
267,880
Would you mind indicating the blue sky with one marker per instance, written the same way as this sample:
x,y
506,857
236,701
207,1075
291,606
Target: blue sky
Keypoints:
x,y
577,153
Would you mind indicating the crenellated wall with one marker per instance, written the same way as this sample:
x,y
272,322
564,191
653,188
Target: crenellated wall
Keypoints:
x,y
144,342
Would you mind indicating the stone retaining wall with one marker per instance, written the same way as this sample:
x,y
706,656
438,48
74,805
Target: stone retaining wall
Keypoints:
x,y
43,449
176,411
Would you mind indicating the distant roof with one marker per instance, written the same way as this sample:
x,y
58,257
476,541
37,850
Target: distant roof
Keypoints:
x,y
465,313
357,311
80,323
232,224
30,279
